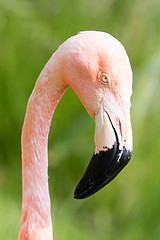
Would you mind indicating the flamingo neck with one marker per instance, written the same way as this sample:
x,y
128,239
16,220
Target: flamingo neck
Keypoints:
x,y
36,219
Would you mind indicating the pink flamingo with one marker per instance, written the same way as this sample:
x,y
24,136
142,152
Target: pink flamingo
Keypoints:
x,y
97,68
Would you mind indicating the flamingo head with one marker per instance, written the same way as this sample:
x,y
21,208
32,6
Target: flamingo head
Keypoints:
x,y
97,67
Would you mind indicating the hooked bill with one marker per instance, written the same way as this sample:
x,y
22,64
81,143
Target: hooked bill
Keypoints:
x,y
103,167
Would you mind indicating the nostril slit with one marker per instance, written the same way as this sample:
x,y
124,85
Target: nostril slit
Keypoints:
x,y
120,128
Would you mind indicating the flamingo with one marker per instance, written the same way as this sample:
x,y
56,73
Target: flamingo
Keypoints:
x,y
96,66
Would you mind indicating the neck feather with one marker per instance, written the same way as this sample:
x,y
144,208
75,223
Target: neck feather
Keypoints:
x,y
36,202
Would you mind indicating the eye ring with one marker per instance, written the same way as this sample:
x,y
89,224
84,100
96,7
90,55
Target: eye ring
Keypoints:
x,y
105,79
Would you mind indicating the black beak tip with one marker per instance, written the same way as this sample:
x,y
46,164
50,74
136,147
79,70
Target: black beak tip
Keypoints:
x,y
102,169
76,196
82,188
82,191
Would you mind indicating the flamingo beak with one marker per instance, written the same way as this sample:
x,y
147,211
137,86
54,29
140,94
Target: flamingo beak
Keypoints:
x,y
112,153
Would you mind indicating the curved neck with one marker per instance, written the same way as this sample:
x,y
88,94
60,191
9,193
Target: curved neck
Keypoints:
x,y
41,105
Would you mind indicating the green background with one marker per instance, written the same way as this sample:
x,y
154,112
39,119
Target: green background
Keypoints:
x,y
30,31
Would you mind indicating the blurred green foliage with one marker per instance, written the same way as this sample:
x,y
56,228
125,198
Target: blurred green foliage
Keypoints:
x,y
30,31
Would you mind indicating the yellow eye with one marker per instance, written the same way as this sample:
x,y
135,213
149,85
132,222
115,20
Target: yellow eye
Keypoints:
x,y
105,79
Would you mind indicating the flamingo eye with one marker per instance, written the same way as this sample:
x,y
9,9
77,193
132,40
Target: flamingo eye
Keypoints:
x,y
105,79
